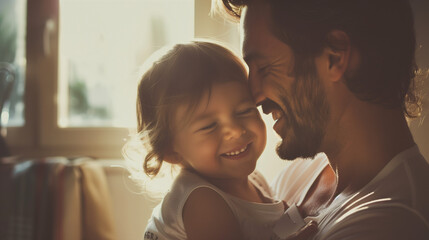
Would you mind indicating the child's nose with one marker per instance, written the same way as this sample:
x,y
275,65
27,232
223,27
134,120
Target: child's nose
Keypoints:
x,y
233,130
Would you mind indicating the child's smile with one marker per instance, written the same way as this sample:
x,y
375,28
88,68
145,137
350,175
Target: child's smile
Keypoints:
x,y
237,153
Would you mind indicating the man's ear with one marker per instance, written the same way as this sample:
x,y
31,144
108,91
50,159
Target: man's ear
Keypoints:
x,y
338,54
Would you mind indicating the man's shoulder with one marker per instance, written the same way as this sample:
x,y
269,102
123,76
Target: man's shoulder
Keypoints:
x,y
401,187
406,183
402,180
394,202
385,219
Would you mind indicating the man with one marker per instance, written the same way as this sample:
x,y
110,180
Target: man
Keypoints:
x,y
338,77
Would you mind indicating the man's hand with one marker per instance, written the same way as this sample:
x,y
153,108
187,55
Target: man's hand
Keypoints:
x,y
307,232
292,226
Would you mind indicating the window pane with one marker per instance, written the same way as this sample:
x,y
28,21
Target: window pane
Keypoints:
x,y
12,58
102,45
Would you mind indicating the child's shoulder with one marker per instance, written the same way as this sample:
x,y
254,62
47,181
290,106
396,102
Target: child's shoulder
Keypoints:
x,y
167,220
187,181
261,183
184,184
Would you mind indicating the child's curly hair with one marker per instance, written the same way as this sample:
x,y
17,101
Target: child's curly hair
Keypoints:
x,y
180,76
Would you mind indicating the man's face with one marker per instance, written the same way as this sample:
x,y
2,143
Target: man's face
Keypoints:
x,y
297,103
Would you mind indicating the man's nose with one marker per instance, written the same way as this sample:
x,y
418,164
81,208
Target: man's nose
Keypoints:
x,y
256,88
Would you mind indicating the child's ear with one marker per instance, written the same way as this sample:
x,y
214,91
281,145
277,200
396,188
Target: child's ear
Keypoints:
x,y
173,158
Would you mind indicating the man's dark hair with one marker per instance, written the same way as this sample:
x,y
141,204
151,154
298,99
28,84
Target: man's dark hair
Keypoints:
x,y
381,30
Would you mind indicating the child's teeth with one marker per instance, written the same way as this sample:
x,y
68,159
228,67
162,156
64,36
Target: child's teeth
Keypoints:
x,y
236,152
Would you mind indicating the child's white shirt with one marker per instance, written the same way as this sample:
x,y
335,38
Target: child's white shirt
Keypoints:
x,y
256,219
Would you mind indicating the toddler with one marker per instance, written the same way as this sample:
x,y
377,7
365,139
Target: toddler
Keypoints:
x,y
196,111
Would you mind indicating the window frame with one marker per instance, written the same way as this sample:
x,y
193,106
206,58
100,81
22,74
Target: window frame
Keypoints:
x,y
41,136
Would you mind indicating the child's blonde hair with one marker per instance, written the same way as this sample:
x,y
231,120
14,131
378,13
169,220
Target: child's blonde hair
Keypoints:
x,y
180,76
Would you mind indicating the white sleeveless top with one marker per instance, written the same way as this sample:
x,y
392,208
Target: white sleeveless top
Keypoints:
x,y
256,219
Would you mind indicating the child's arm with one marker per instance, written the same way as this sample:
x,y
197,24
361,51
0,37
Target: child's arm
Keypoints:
x,y
206,215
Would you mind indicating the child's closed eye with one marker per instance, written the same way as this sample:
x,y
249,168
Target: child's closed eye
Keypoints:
x,y
208,127
247,111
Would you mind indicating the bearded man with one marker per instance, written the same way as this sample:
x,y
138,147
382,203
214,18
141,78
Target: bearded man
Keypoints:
x,y
337,76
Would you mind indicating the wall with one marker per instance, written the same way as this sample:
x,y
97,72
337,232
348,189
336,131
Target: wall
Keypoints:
x,y
131,207
420,126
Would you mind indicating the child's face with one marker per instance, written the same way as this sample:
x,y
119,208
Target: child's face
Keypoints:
x,y
224,137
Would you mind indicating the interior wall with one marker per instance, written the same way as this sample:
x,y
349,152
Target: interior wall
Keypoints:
x,y
420,126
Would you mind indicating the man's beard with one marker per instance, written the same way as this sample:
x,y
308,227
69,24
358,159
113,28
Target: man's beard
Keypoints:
x,y
306,115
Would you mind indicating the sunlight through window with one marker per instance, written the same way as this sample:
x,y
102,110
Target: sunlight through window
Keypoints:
x,y
13,17
102,45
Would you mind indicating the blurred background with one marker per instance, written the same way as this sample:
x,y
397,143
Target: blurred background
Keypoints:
x,y
69,70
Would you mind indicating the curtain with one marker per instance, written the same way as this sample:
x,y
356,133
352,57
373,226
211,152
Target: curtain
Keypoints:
x,y
54,198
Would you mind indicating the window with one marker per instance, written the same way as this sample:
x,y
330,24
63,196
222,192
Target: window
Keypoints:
x,y
13,67
80,59
99,55
12,47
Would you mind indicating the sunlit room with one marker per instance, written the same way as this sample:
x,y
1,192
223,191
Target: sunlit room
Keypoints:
x,y
70,72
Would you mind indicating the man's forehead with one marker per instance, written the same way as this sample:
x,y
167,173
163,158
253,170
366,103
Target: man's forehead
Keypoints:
x,y
255,30
255,16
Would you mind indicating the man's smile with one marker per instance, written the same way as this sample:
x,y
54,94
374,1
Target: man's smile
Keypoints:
x,y
277,114
269,106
